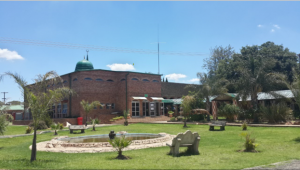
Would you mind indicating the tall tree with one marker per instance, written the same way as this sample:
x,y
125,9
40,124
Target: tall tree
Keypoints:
x,y
217,55
87,107
38,98
209,86
255,75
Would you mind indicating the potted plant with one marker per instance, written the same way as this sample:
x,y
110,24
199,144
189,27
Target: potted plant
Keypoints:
x,y
170,113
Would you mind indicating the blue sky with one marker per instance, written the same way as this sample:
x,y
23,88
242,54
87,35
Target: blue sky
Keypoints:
x,y
184,27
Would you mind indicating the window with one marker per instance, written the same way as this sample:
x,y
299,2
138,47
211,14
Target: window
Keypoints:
x,y
122,79
112,106
65,108
107,105
99,80
135,79
145,80
53,109
95,107
146,109
102,105
75,79
59,108
110,80
155,81
48,85
88,78
65,81
135,108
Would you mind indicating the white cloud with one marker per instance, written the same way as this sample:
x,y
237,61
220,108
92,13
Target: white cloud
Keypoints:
x,y
10,55
276,26
175,76
195,80
272,30
259,26
121,67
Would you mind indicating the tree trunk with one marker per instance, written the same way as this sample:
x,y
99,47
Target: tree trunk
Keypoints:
x,y
120,153
86,120
94,128
185,122
55,133
33,148
254,103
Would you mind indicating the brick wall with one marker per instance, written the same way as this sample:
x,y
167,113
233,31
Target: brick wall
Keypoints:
x,y
173,90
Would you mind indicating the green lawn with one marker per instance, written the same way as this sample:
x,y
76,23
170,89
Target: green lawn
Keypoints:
x,y
17,130
218,150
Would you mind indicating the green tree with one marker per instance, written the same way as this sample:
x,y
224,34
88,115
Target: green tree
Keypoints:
x,y
87,107
217,55
38,98
119,144
3,121
209,86
187,106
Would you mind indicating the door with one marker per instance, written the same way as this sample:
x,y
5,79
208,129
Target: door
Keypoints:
x,y
152,109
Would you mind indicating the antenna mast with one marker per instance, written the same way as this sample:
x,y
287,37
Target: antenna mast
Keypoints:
x,y
4,96
158,47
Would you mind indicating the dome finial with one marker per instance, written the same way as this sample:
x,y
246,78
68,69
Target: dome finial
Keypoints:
x,y
87,55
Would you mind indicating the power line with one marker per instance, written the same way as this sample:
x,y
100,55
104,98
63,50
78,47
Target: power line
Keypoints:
x,y
93,47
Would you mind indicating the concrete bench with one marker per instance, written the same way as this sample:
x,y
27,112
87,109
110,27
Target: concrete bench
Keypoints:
x,y
214,123
187,139
76,127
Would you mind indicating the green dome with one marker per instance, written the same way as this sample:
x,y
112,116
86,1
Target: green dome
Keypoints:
x,y
84,65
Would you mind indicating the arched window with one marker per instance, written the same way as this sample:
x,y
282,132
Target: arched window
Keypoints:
x,y
75,79
110,80
155,81
65,81
99,80
122,79
145,80
88,78
135,79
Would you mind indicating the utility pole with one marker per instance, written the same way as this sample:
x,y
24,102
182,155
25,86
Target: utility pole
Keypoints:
x,y
4,96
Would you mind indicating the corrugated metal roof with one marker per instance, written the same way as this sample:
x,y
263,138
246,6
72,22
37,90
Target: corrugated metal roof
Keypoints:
x,y
12,107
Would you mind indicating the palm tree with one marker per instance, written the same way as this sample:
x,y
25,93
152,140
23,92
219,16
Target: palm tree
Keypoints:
x,y
119,143
209,86
38,98
87,107
255,76
187,107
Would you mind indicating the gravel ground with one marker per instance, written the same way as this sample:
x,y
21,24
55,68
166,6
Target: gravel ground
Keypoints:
x,y
292,164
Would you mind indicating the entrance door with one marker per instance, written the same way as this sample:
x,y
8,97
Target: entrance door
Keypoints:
x,y
152,109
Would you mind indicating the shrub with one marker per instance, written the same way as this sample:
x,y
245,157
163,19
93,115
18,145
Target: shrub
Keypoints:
x,y
119,144
10,117
229,111
249,144
276,112
244,125
61,126
172,118
47,119
55,127
28,129
41,125
197,117
97,121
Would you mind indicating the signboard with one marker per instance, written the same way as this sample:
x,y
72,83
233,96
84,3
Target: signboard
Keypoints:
x,y
146,95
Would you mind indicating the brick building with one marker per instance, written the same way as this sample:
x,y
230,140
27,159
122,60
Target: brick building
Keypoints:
x,y
141,93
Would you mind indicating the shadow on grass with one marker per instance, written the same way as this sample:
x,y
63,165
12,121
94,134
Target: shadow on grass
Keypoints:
x,y
1,147
184,153
297,139
36,161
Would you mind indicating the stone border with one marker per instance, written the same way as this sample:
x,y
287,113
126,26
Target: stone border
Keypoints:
x,y
56,145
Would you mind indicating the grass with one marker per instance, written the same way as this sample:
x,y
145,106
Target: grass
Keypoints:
x,y
20,129
218,150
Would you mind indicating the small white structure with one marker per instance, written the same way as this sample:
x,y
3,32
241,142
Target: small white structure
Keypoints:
x,y
68,124
186,139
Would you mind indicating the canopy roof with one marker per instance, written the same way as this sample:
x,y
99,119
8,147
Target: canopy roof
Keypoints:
x,y
12,107
174,101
